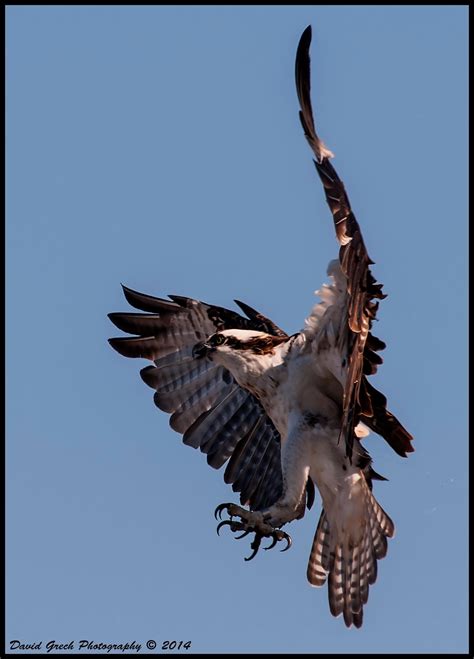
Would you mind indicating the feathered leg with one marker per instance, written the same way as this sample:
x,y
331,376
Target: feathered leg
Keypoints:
x,y
291,505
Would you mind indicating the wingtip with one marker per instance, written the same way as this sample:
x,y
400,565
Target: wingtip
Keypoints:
x,y
112,317
247,309
305,39
115,344
179,299
126,289
129,294
403,446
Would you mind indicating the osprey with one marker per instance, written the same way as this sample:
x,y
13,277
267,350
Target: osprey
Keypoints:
x,y
286,413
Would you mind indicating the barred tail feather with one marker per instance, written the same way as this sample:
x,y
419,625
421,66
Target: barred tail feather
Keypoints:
x,y
320,558
348,560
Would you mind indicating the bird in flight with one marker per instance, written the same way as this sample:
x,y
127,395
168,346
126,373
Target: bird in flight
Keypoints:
x,y
286,413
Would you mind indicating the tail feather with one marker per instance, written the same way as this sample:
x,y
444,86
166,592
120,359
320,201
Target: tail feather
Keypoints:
x,y
320,560
352,611
354,580
336,584
364,572
348,561
348,575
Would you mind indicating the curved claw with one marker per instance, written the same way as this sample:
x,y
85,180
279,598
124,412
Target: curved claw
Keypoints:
x,y
252,555
219,509
289,541
238,537
224,523
255,546
274,541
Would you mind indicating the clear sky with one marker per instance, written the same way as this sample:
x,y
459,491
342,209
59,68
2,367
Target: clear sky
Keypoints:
x,y
161,147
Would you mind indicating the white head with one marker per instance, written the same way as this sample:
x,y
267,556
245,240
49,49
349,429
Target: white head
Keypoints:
x,y
233,348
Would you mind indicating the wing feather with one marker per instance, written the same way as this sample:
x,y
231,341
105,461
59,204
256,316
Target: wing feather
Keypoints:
x,y
205,402
264,474
200,392
175,375
271,484
246,468
244,453
358,345
191,410
227,438
203,430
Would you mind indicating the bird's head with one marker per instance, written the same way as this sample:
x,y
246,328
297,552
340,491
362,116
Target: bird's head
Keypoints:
x,y
232,347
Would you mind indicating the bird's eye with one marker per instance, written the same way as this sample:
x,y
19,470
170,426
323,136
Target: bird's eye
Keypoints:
x,y
219,339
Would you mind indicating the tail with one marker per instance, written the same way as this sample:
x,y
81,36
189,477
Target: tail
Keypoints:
x,y
347,551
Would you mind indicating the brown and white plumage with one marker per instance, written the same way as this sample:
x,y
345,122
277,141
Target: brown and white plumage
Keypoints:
x,y
285,413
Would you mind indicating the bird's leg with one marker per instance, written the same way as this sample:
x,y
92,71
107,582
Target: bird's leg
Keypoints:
x,y
266,523
257,522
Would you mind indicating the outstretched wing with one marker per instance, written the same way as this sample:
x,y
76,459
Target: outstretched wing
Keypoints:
x,y
361,400
206,404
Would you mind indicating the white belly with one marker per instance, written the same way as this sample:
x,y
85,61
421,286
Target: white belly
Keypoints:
x,y
301,388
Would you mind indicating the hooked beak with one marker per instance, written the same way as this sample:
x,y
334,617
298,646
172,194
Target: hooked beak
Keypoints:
x,y
201,350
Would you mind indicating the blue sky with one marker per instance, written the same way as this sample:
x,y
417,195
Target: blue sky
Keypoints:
x,y
161,147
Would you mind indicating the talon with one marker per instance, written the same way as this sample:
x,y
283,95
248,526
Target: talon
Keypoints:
x,y
238,537
255,546
275,540
249,524
289,541
224,523
219,509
